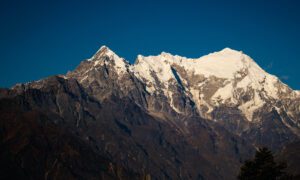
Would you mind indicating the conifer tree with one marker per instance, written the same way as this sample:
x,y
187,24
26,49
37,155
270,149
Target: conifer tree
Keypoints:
x,y
263,167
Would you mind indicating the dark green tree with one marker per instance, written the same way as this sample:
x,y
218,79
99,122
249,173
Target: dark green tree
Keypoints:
x,y
263,167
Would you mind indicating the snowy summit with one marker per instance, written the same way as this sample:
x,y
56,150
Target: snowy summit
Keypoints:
x,y
226,78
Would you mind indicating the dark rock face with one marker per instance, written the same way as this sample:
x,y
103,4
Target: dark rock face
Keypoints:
x,y
290,155
79,137
100,122
271,132
36,147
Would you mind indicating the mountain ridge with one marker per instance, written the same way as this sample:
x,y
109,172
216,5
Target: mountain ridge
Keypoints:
x,y
157,117
234,65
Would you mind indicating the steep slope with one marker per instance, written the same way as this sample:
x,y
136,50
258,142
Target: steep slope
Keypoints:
x,y
164,117
115,129
226,86
107,74
227,77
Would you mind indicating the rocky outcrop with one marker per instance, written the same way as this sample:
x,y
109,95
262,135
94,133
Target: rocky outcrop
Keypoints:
x,y
164,117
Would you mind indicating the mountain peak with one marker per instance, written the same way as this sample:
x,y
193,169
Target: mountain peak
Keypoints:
x,y
166,54
229,50
228,55
222,64
103,47
104,57
103,51
228,74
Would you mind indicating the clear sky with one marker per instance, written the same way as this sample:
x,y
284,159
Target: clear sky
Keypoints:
x,y
39,38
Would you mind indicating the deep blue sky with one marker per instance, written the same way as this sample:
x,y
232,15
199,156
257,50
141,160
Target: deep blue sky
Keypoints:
x,y
39,38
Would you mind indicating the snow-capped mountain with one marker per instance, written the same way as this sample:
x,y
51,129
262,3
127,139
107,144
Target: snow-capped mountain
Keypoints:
x,y
225,86
154,117
225,78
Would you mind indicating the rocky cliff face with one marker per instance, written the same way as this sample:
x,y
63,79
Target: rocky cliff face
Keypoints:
x,y
164,117
226,86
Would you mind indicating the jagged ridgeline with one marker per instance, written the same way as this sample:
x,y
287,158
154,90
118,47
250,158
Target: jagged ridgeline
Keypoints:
x,y
163,117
